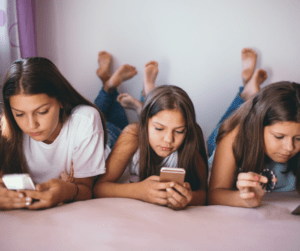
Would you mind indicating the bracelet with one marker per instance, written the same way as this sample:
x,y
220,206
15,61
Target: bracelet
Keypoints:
x,y
77,190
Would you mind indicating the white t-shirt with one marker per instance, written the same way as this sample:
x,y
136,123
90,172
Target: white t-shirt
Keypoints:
x,y
80,141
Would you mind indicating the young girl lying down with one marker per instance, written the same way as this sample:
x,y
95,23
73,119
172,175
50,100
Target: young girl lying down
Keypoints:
x,y
264,133
166,135
48,129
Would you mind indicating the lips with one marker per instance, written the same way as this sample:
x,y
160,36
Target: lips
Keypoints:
x,y
166,148
284,156
35,134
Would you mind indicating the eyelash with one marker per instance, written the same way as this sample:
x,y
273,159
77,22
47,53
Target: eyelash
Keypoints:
x,y
41,113
278,137
281,137
160,129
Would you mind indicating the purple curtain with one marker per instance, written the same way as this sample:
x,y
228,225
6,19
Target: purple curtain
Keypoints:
x,y
26,27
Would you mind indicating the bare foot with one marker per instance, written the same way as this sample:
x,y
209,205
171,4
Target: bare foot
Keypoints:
x,y
128,102
104,61
249,58
253,86
150,73
124,73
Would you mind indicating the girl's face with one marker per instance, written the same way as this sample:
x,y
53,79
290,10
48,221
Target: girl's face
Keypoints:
x,y
37,116
167,130
282,140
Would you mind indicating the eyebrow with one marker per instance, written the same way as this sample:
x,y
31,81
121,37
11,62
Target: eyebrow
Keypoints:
x,y
33,110
154,122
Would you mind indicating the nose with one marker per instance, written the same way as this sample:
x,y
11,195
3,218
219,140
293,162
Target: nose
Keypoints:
x,y
289,145
169,138
32,123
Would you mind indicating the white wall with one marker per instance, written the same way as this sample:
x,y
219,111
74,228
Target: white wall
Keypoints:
x,y
197,43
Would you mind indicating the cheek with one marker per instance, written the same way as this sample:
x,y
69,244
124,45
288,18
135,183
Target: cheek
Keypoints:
x,y
20,123
179,140
153,137
271,146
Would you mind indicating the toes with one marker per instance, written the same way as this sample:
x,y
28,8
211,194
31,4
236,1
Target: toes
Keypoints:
x,y
151,63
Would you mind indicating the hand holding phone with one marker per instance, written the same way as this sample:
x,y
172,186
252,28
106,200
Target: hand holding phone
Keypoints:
x,y
176,174
18,182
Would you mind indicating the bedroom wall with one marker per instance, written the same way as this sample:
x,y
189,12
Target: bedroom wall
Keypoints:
x,y
196,43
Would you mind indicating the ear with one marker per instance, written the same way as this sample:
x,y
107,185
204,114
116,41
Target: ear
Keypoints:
x,y
60,105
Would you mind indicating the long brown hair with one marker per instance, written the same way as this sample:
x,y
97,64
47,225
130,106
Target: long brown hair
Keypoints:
x,y
169,97
31,76
278,102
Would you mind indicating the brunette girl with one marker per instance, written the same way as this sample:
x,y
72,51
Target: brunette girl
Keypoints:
x,y
264,133
48,129
166,135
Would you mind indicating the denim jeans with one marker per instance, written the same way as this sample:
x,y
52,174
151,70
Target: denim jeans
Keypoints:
x,y
114,114
235,104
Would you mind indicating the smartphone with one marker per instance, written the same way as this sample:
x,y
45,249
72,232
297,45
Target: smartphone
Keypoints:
x,y
296,211
18,181
172,174
272,179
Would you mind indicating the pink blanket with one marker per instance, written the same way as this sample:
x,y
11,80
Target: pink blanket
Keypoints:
x,y
125,224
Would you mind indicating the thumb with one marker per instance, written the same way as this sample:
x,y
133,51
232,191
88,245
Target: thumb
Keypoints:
x,y
187,185
43,186
154,178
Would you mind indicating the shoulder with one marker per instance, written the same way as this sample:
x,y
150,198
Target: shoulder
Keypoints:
x,y
86,111
224,150
231,136
85,118
131,129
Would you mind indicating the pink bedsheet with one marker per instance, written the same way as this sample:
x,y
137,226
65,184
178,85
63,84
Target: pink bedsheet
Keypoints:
x,y
125,224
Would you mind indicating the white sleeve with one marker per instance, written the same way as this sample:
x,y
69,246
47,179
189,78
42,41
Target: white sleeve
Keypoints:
x,y
89,151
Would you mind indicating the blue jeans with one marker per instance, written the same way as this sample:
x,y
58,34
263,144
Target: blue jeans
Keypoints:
x,y
235,104
116,119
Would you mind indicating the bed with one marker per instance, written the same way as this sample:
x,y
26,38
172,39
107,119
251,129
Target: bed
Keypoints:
x,y
126,224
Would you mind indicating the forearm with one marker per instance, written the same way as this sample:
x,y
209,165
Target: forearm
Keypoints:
x,y
199,198
84,193
221,196
110,189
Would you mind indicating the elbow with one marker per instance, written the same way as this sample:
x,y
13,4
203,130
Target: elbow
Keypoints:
x,y
210,197
97,190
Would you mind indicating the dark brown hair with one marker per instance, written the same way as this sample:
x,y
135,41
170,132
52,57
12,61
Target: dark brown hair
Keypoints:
x,y
169,97
277,102
31,76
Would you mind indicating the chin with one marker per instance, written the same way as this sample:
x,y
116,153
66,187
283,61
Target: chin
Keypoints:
x,y
164,154
281,160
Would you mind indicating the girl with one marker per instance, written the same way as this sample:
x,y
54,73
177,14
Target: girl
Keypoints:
x,y
48,128
263,133
166,135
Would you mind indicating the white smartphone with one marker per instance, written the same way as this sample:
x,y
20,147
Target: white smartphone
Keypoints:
x,y
18,181
172,174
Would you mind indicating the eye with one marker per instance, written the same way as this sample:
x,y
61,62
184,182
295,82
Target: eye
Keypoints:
x,y
278,137
158,129
298,139
19,115
181,132
43,112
